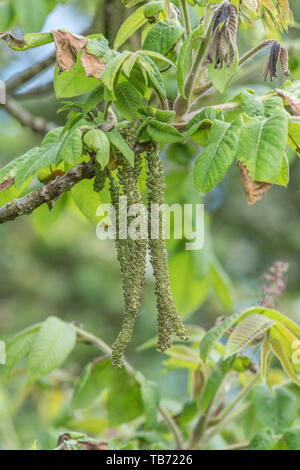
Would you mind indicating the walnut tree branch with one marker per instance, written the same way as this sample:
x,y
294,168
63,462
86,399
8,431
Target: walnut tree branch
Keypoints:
x,y
27,204
51,191
37,124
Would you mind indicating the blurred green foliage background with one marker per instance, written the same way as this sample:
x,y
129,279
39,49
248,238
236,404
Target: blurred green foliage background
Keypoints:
x,y
52,265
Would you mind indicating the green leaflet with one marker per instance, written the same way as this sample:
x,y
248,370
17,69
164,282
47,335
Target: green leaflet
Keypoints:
x,y
39,157
185,56
163,133
128,100
294,136
262,147
87,200
124,401
291,438
213,383
277,411
163,36
30,40
11,168
97,141
55,148
20,346
51,346
206,114
159,114
279,317
70,149
31,14
94,98
111,71
73,82
135,21
251,104
214,334
222,77
156,55
213,163
272,106
284,175
245,332
150,398
155,77
117,140
93,380
265,439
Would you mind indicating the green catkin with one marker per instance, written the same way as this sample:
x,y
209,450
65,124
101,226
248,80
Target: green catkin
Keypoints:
x,y
168,319
131,253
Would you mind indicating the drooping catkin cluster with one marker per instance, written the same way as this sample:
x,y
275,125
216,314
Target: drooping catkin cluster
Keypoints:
x,y
131,253
278,53
223,45
168,319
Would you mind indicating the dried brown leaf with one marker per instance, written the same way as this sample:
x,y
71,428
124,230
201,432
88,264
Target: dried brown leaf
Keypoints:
x,y
93,67
294,103
67,47
12,41
255,190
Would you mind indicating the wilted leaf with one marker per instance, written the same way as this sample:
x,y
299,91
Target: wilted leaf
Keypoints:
x,y
67,47
254,189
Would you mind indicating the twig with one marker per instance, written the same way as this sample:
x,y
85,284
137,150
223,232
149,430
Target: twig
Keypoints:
x,y
37,124
18,80
186,17
27,204
100,344
34,92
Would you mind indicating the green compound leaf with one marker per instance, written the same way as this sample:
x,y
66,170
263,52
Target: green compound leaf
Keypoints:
x,y
245,332
20,346
51,347
163,133
97,141
136,21
128,100
111,72
262,147
213,163
73,82
117,140
163,36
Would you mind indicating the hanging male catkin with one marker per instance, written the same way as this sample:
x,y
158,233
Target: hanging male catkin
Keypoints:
x,y
168,319
131,253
